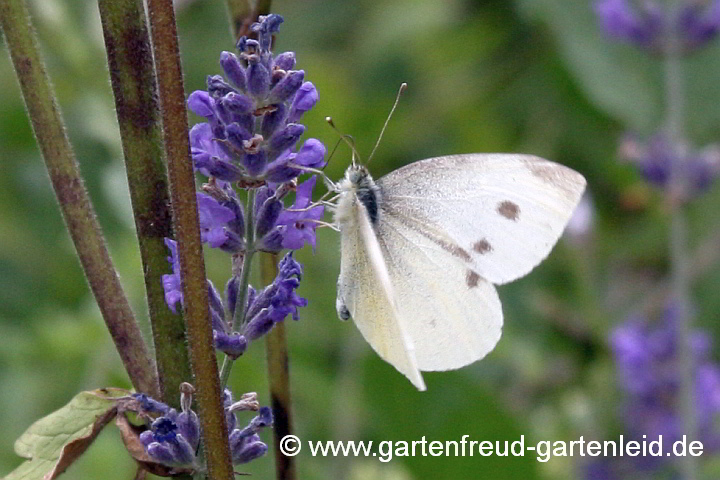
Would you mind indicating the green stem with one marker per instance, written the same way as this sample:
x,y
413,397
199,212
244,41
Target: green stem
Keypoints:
x,y
192,265
679,255
133,82
279,378
72,197
239,314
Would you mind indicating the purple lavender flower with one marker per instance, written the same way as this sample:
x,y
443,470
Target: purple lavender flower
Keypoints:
x,y
641,26
657,158
649,25
172,283
647,361
276,301
245,444
173,438
291,228
304,100
298,224
252,120
698,24
214,219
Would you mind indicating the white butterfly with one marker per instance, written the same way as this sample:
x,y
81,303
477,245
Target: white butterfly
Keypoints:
x,y
423,246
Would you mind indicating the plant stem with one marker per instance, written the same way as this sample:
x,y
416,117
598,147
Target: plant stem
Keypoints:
x,y
242,14
279,379
679,256
127,43
74,202
192,264
242,295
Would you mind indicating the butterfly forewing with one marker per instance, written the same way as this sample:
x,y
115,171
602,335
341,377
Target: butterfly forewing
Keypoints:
x,y
498,214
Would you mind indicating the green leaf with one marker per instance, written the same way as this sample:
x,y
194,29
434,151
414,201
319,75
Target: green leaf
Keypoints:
x,y
54,442
620,79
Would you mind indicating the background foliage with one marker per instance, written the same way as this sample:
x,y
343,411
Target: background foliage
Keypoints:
x,y
485,76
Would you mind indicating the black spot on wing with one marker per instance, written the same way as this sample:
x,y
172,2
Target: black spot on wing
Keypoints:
x,y
471,279
482,246
509,210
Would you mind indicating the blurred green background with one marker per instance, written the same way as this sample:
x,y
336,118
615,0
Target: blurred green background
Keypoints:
x,y
530,76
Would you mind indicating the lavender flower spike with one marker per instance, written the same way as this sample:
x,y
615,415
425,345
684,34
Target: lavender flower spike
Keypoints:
x,y
252,118
641,26
276,301
173,438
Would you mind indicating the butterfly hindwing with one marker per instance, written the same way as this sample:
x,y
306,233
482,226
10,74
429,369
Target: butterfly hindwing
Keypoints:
x,y
454,315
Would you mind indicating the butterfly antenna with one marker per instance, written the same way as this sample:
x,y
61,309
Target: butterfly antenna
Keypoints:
x,y
345,138
403,87
332,154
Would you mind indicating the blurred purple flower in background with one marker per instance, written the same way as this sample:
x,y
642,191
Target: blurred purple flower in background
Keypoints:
x,y
647,361
651,25
656,158
648,367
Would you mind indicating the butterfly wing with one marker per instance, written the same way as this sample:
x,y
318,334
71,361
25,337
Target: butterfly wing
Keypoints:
x,y
450,226
366,293
497,214
454,316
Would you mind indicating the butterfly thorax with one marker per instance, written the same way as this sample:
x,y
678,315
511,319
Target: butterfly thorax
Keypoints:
x,y
358,186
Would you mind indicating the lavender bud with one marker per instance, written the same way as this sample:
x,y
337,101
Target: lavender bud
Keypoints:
x,y
246,448
285,61
161,453
255,163
287,87
258,80
267,216
263,419
150,405
237,136
231,293
217,86
259,325
146,438
216,303
234,69
237,104
272,120
232,345
311,154
183,451
201,103
213,219
189,428
698,23
285,138
305,99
